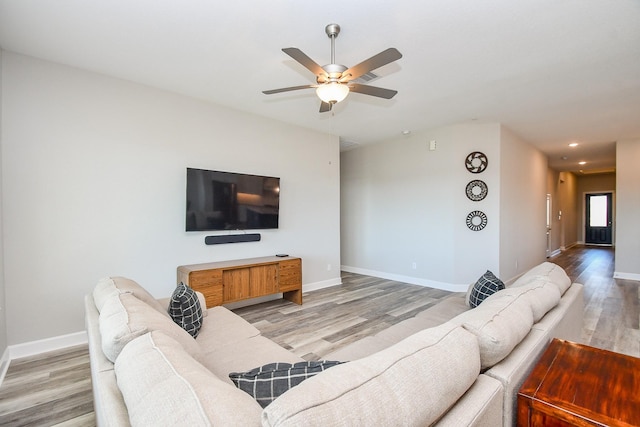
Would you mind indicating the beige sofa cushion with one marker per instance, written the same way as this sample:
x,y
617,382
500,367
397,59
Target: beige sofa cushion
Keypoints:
x,y
221,326
124,317
111,285
362,348
435,315
550,271
445,309
163,385
244,355
410,383
499,323
541,294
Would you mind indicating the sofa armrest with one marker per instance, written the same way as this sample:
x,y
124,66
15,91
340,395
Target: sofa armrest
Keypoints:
x,y
481,405
109,406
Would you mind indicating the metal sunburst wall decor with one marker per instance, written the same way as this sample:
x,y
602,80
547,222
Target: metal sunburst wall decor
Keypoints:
x,y
476,220
476,162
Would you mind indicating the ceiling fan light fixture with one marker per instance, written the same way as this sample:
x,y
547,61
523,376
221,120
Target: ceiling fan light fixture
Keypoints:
x,y
332,92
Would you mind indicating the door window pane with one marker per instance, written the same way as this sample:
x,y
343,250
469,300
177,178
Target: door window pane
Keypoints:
x,y
598,211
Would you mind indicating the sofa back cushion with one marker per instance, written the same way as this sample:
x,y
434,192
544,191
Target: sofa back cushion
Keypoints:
x,y
412,382
116,285
124,317
540,293
499,323
163,385
547,270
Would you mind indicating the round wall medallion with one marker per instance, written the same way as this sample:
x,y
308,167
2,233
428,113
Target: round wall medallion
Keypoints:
x,y
476,220
477,190
476,162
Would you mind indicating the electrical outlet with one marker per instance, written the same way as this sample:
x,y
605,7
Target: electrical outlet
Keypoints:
x,y
328,267
414,265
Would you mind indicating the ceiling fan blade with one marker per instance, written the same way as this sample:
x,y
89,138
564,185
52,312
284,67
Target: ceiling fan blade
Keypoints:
x,y
303,59
325,106
372,90
287,89
376,61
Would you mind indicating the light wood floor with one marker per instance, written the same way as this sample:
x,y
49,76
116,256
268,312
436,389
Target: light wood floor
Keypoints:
x,y
54,389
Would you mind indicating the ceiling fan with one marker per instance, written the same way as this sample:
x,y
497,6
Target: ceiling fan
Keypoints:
x,y
335,81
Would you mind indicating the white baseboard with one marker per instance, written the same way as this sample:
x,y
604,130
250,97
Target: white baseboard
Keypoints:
x,y
48,344
626,276
451,287
321,285
4,364
556,252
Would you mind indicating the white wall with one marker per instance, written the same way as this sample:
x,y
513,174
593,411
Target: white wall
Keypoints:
x,y
627,208
3,304
523,201
402,203
94,185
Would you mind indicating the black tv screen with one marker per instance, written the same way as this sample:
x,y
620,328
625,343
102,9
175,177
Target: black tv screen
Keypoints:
x,y
231,201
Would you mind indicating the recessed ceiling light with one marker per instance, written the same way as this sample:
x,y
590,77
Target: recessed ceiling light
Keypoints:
x,y
582,163
406,132
573,144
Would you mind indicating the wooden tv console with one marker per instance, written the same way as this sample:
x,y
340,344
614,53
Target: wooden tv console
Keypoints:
x,y
228,281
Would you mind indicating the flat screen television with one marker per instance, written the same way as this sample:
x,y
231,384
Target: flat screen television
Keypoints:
x,y
231,201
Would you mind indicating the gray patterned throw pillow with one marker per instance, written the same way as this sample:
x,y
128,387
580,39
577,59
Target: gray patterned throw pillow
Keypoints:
x,y
267,382
487,284
185,310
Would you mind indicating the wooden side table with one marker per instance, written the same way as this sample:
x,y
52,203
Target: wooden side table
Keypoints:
x,y
578,385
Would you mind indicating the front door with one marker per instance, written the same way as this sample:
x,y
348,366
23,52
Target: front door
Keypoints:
x,y
599,218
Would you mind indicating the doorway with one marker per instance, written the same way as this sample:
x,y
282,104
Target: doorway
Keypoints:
x,y
598,219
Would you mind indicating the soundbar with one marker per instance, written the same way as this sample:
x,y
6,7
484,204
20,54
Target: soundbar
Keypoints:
x,y
232,238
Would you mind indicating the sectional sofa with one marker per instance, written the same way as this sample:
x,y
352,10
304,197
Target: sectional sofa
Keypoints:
x,y
448,366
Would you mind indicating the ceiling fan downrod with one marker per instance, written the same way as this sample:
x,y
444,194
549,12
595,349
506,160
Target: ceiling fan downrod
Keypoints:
x,y
332,31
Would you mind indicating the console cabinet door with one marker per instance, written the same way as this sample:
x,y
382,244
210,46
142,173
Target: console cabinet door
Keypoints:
x,y
250,282
264,280
236,284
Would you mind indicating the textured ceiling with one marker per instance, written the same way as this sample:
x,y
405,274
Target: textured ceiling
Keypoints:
x,y
553,72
